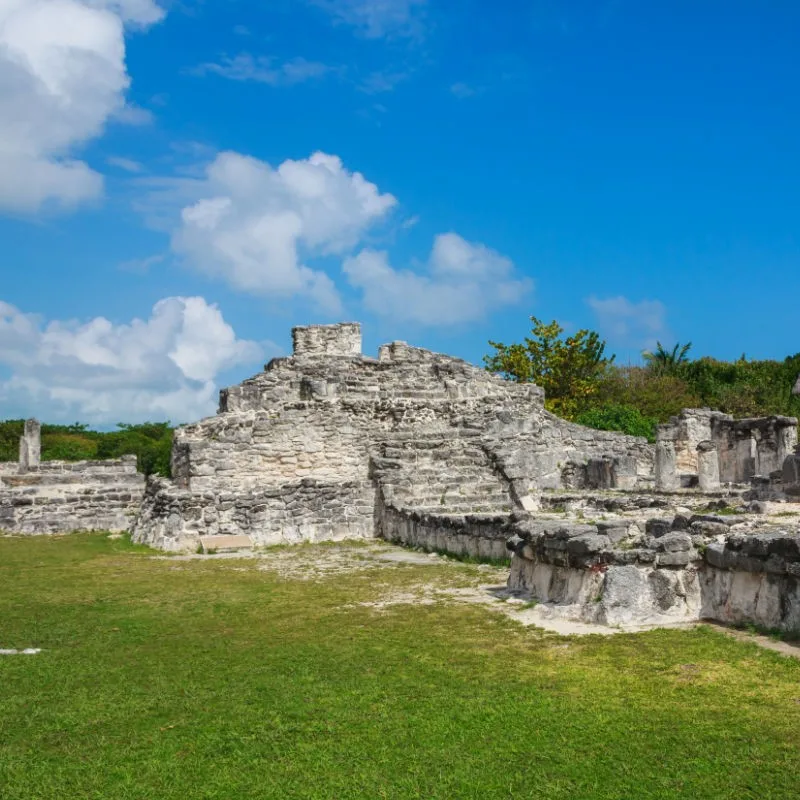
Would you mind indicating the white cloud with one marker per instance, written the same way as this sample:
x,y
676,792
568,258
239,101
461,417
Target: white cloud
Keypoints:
x,y
62,76
253,225
160,368
463,282
375,19
126,164
629,324
263,69
137,12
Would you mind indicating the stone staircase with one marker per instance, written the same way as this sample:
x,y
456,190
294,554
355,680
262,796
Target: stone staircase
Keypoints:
x,y
441,473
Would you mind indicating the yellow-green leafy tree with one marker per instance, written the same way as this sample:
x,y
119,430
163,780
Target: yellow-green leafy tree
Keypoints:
x,y
569,369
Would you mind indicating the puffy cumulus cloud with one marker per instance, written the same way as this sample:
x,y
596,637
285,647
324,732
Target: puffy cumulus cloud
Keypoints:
x,y
462,282
62,76
163,367
253,225
375,19
630,324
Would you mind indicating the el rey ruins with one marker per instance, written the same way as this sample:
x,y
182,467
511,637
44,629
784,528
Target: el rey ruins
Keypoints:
x,y
432,452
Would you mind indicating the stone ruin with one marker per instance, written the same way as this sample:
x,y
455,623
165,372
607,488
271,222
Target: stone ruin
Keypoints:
x,y
330,444
62,496
432,452
705,449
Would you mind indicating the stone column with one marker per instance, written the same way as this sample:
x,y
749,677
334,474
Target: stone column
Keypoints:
x,y
666,472
787,439
30,445
707,466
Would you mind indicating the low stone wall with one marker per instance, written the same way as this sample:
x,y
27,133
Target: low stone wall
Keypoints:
x,y
632,594
675,570
308,510
476,536
753,579
61,496
610,573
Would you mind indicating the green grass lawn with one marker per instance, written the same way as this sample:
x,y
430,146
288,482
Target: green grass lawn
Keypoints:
x,y
212,678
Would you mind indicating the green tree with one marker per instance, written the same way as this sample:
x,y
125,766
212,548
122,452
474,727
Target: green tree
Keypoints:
x,y
667,362
568,369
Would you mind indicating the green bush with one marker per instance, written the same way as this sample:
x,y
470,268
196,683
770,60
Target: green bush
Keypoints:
x,y
623,418
745,388
150,442
658,396
68,447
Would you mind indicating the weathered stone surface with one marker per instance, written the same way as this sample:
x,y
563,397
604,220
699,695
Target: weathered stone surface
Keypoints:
x,y
60,497
673,542
713,447
225,542
617,595
412,431
665,466
707,466
30,446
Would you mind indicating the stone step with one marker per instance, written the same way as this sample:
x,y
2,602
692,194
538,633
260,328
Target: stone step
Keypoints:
x,y
461,508
428,469
446,484
225,543
436,492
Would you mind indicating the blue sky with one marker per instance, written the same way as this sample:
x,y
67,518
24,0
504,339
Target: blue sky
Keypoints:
x,y
181,182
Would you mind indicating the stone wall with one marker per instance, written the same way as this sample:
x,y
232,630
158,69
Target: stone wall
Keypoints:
x,y
743,448
662,571
309,510
753,579
540,452
62,496
343,339
471,535
326,414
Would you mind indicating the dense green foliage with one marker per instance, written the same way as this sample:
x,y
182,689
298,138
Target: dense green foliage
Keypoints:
x,y
150,442
745,388
568,369
619,418
220,679
581,384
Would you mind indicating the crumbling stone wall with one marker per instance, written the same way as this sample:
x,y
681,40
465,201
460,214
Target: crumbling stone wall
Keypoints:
x,y
324,414
753,579
669,570
743,448
343,339
307,510
63,496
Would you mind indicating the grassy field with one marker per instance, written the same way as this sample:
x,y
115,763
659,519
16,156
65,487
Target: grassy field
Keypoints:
x,y
165,678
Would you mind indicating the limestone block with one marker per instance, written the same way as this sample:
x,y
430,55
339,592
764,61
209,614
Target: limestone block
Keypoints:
x,y
790,474
707,466
30,446
225,542
665,467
